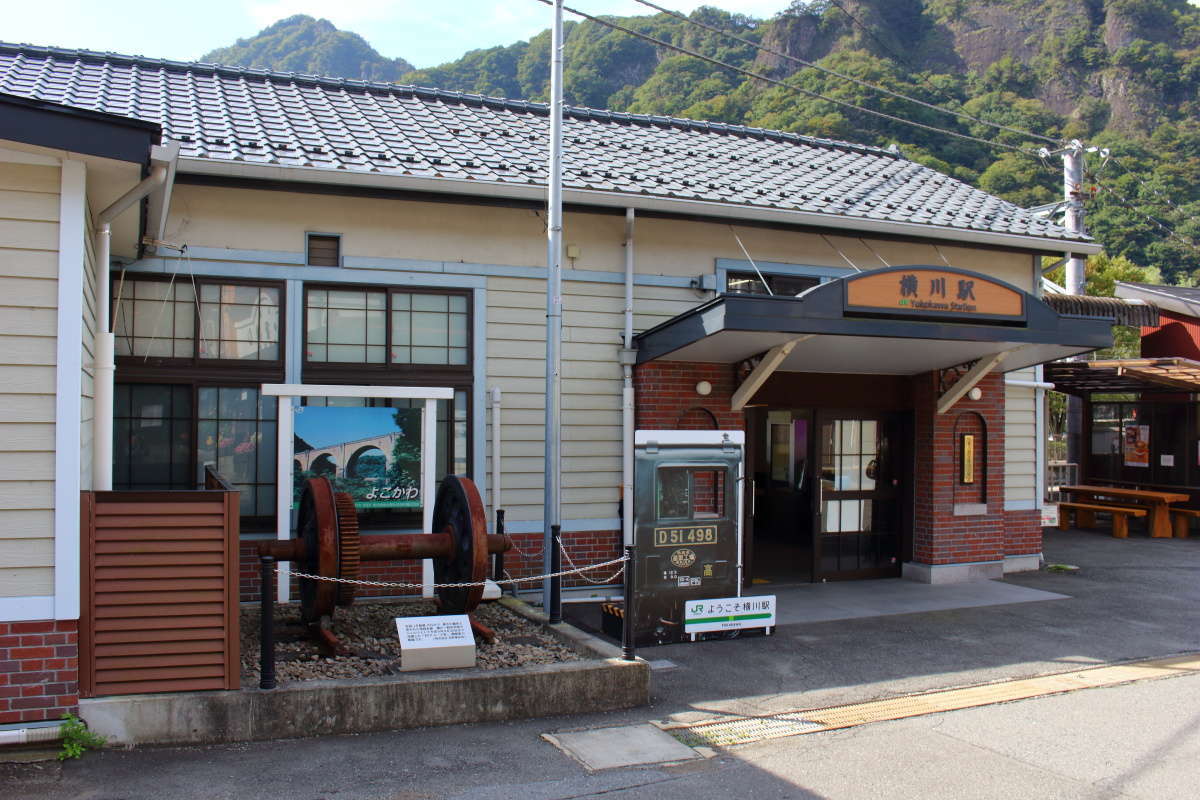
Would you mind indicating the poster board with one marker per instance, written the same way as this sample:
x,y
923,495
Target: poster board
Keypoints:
x,y
290,394
1137,446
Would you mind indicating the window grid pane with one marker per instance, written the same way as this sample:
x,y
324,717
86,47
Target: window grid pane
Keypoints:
x,y
239,323
429,329
154,319
236,431
346,326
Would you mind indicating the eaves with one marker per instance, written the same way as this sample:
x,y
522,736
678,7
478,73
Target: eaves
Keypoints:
x,y
703,208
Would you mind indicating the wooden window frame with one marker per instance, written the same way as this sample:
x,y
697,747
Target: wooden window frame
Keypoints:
x,y
164,365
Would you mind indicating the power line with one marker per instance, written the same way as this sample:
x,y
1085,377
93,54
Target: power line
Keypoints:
x,y
790,87
835,73
1171,233
1142,182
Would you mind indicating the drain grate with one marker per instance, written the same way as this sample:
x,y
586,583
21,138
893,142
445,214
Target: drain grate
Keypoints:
x,y
744,730
727,732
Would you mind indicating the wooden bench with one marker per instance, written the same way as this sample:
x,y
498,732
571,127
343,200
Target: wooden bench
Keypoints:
x,y
1120,515
1179,520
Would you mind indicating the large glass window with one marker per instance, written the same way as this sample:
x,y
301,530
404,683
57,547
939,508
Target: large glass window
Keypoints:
x,y
239,322
346,325
753,283
166,320
154,319
378,326
152,446
191,358
235,432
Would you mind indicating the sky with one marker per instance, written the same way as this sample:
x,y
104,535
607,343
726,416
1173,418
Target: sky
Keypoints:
x,y
423,32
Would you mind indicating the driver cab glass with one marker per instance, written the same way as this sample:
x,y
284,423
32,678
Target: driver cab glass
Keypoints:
x,y
690,493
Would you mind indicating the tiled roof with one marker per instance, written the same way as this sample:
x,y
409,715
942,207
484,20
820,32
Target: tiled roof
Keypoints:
x,y
228,114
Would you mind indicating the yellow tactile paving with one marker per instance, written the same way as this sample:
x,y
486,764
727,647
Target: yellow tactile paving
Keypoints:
x,y
743,730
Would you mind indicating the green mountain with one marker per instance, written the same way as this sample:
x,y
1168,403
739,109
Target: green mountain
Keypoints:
x,y
314,46
1117,74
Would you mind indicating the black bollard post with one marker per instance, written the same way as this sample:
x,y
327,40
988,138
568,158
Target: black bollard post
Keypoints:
x,y
627,647
498,562
266,656
555,610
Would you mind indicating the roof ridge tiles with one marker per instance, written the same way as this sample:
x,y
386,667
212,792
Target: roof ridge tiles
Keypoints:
x,y
430,93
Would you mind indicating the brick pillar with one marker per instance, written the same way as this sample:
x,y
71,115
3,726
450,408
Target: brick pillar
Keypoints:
x,y
667,399
959,529
39,670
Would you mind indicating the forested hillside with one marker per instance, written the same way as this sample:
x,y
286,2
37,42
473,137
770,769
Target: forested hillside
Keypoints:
x,y
1117,74
312,46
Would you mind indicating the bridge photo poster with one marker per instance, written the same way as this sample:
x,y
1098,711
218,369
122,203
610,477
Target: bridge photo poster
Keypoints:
x,y
373,454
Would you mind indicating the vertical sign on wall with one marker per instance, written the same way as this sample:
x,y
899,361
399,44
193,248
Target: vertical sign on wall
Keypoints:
x,y
1137,445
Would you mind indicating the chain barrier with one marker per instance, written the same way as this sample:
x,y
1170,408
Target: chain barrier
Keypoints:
x,y
469,584
562,548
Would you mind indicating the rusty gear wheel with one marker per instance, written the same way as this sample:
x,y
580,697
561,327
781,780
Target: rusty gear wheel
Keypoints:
x,y
349,550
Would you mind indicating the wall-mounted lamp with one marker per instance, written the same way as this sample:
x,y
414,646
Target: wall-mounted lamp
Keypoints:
x,y
975,393
703,388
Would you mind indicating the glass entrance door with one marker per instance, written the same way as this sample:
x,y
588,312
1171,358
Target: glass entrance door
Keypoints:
x,y
857,515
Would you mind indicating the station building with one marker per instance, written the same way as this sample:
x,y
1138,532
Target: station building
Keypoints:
x,y
873,326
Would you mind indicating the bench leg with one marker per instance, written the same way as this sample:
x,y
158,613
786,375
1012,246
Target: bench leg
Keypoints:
x,y
1064,518
1120,526
1181,525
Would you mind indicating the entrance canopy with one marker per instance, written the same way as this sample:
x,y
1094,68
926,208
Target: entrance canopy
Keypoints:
x,y
1126,375
896,321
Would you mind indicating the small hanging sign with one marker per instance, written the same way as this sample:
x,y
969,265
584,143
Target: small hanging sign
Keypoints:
x,y
966,452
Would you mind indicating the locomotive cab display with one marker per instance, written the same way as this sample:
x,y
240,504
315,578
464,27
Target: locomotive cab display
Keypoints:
x,y
687,525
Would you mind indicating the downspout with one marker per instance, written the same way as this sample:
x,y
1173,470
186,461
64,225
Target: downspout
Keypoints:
x,y
496,505
106,366
627,399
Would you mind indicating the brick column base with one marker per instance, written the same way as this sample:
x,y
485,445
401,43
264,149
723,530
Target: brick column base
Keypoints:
x,y
39,670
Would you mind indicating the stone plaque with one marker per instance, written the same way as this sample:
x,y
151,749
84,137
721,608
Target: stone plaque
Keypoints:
x,y
444,642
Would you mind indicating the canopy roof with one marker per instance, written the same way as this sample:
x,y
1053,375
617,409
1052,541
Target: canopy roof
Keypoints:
x,y
1119,376
839,327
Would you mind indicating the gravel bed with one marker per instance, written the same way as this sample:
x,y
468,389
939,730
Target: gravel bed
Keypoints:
x,y
368,630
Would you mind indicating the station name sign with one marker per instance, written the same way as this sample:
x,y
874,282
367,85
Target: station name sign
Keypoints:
x,y
933,292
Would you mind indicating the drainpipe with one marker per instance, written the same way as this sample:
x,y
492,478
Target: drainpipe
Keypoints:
x,y
627,400
102,419
31,733
496,395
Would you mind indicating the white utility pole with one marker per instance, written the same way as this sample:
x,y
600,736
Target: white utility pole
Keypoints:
x,y
552,504
1076,277
1072,192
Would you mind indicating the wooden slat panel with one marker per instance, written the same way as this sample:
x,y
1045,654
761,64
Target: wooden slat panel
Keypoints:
x,y
174,521
210,645
168,685
203,630
148,534
139,571
165,598
139,611
161,584
161,560
108,548
171,661
203,671
171,509
104,587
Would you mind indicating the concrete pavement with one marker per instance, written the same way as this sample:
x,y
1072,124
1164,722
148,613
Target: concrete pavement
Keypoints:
x,y
1132,598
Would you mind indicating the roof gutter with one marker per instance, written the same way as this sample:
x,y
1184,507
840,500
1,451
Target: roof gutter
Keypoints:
x,y
537,192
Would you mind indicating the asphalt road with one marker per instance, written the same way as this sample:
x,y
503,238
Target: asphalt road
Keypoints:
x,y
1133,598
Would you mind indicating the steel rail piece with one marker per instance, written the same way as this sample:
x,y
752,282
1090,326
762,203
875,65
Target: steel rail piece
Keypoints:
x,y
328,544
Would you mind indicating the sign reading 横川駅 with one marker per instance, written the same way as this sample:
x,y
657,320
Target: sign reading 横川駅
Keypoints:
x,y
930,291
729,614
